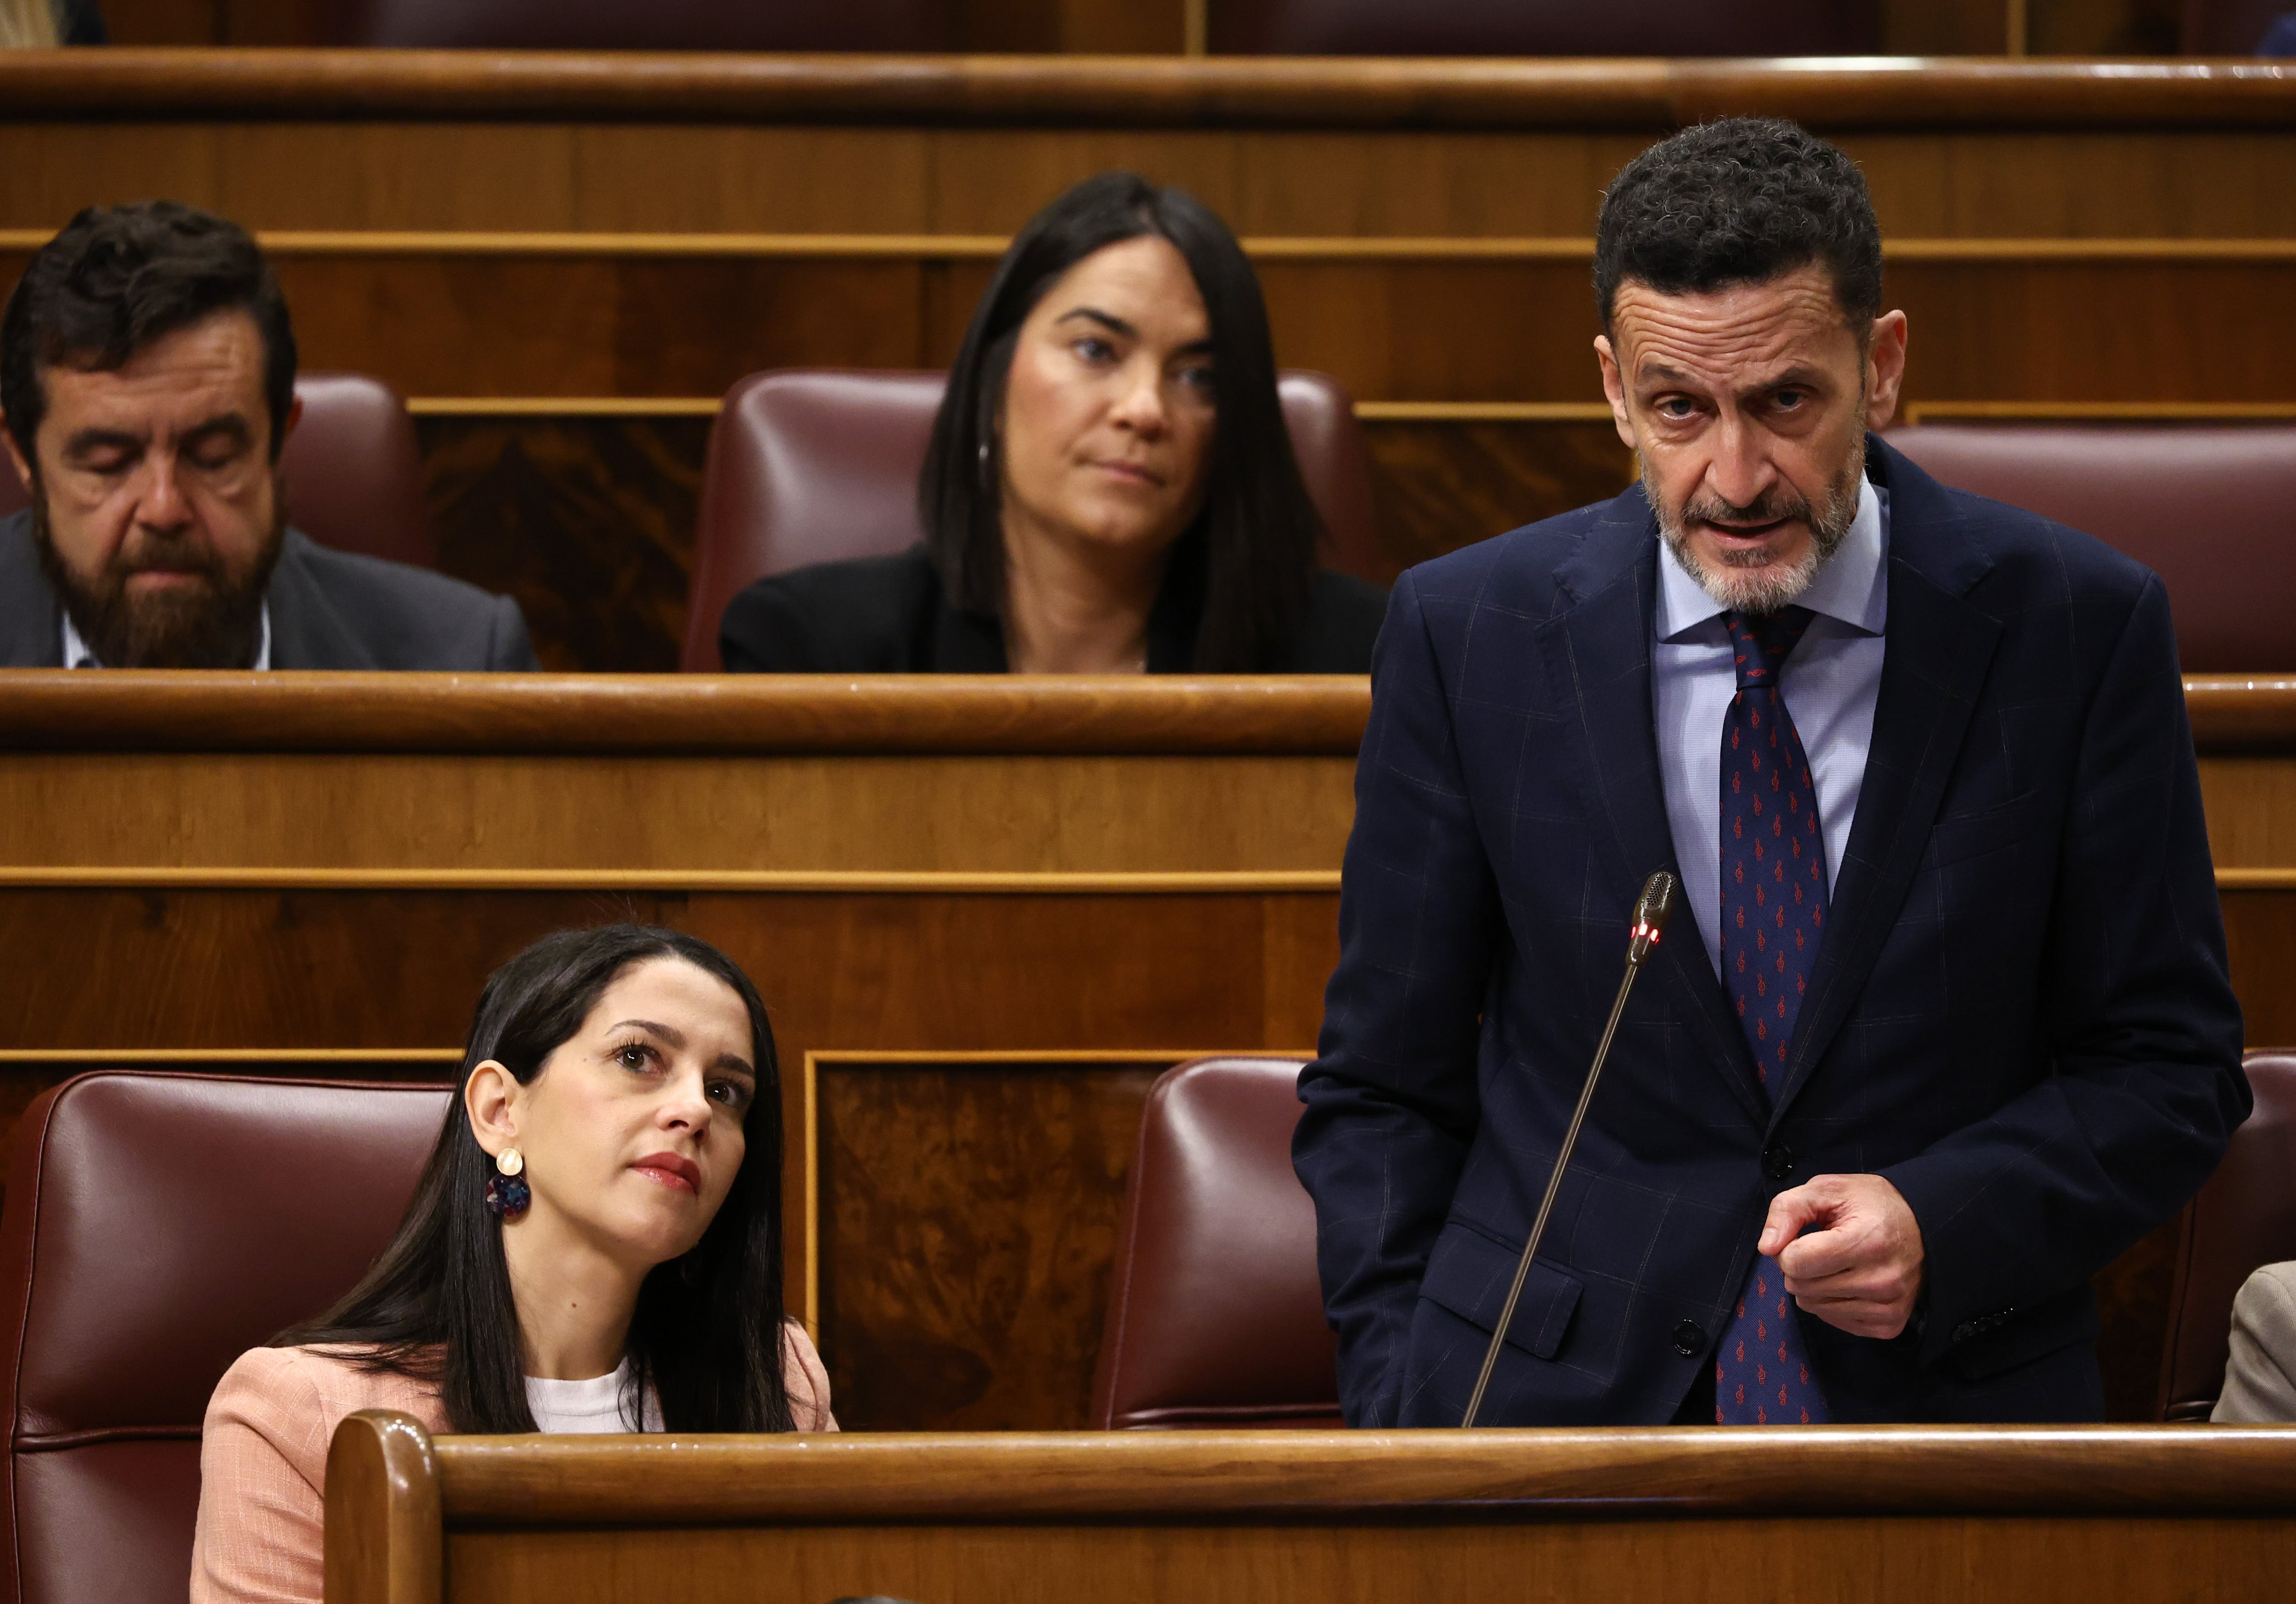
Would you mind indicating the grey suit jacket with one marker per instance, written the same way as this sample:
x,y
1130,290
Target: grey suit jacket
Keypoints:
x,y
329,610
2260,1381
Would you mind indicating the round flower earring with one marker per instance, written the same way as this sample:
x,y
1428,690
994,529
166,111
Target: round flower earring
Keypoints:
x,y
507,1194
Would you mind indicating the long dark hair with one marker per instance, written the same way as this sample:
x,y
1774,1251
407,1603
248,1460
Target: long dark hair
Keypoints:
x,y
1252,548
707,1335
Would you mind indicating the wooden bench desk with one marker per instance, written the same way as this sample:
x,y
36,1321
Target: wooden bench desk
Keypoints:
x,y
984,912
565,260
1783,1516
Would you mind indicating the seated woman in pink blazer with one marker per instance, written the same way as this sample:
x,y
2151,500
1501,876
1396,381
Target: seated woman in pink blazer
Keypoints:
x,y
595,1245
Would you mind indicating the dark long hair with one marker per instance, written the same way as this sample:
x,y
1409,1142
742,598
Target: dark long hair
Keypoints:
x,y
1252,548
437,1305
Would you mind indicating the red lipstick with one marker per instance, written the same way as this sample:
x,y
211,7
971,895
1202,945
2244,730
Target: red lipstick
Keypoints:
x,y
668,1168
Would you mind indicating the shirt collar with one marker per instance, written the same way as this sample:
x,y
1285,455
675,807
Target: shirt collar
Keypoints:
x,y
1852,587
79,655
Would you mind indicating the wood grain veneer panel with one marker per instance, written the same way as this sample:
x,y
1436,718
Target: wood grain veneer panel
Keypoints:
x,y
971,814
2261,934
968,1222
1643,93
1251,715
2252,810
589,522
94,969
1462,330
1873,1561
827,178
1441,485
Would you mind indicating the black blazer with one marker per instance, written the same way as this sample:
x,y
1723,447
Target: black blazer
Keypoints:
x,y
329,610
2020,1016
890,615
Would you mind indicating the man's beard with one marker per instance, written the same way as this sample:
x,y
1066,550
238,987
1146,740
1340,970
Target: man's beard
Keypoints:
x,y
1746,582
217,624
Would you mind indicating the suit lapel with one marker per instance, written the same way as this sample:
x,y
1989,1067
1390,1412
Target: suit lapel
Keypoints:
x,y
307,632
1940,648
1599,651
31,622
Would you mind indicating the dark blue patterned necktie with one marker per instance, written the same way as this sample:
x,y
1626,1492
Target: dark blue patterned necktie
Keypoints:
x,y
1772,913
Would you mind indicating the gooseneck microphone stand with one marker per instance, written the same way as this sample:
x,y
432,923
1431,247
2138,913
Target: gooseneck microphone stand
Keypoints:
x,y
1653,910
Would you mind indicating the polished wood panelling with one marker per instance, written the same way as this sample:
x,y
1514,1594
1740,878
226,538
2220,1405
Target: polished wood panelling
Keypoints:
x,y
1443,485
904,172
1450,326
1887,1515
589,522
2095,27
1786,1473
968,1219
1109,27
1597,1560
1642,93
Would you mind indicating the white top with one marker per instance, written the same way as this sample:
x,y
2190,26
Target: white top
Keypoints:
x,y
591,1407
1831,685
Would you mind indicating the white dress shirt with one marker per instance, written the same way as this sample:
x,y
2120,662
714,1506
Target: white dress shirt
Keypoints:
x,y
78,655
1830,685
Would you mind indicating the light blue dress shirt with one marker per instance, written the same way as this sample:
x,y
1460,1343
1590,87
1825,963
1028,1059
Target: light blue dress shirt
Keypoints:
x,y
78,655
1830,685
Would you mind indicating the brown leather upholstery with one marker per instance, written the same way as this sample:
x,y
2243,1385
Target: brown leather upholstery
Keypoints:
x,y
2205,506
158,1226
2243,1218
1215,1313
1546,27
354,473
896,25
820,465
2229,26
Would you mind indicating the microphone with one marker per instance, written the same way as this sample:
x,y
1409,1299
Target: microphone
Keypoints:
x,y
1653,910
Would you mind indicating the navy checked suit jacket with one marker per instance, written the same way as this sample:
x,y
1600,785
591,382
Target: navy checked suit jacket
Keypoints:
x,y
2021,1014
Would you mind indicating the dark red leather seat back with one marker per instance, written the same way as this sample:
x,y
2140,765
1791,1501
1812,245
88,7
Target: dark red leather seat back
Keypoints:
x,y
354,471
2210,508
2243,1218
158,1226
1214,1312
890,25
2229,26
1546,27
820,465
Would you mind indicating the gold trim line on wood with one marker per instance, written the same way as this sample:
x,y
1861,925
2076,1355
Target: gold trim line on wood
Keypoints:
x,y
1369,412
845,1058
788,881
782,882
563,406
130,1056
1482,412
1921,412
1272,248
1407,412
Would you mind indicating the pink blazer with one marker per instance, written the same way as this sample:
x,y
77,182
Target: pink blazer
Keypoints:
x,y
263,1460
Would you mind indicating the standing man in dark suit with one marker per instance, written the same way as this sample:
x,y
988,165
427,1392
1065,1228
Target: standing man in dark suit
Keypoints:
x,y
147,372
1949,1024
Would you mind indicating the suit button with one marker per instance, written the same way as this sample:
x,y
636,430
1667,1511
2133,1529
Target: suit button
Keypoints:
x,y
1689,1339
1777,1161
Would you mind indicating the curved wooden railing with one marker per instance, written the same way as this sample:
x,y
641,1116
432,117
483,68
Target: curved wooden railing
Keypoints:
x,y
1145,91
53,710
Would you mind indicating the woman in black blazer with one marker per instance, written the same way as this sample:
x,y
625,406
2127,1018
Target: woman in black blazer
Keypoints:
x,y
1110,486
